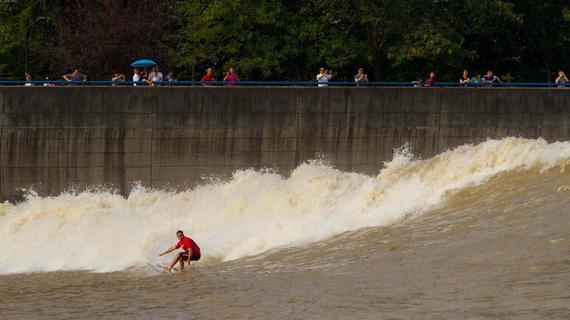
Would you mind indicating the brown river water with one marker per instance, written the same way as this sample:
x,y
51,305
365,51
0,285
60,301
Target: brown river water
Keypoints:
x,y
499,249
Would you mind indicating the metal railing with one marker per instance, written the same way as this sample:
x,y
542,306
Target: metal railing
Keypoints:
x,y
276,84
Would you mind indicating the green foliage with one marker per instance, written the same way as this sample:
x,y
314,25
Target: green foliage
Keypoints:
x,y
545,32
14,17
394,40
226,33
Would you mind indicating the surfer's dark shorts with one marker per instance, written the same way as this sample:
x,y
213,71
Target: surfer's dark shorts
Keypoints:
x,y
195,256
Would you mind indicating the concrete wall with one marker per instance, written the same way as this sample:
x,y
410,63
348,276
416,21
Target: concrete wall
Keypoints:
x,y
57,138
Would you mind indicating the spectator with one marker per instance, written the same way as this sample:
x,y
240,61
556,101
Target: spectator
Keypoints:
x,y
209,76
561,79
151,75
46,82
324,76
476,80
464,79
490,79
157,75
28,80
75,76
136,76
430,80
361,76
117,77
170,76
232,77
144,76
418,83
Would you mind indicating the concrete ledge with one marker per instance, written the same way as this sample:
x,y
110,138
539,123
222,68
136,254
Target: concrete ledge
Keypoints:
x,y
178,137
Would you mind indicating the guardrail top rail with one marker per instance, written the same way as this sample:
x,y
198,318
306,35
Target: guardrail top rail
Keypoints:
x,y
277,83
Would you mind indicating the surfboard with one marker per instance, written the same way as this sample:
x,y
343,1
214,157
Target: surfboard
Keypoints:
x,y
156,267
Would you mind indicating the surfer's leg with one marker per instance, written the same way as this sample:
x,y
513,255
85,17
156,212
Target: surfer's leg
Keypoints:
x,y
182,265
174,260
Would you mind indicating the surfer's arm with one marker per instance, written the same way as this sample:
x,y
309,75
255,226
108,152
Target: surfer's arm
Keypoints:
x,y
168,251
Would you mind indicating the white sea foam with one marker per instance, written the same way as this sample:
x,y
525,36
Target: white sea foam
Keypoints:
x,y
252,213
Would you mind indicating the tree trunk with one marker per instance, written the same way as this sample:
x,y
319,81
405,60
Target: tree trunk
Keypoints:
x,y
548,69
545,59
375,48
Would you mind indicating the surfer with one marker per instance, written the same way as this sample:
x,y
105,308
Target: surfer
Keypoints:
x,y
191,251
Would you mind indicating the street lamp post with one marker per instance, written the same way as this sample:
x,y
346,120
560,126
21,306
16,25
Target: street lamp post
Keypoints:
x,y
27,36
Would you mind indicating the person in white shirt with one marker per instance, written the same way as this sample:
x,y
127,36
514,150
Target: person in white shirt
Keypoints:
x,y
324,76
154,76
151,76
47,84
157,75
136,77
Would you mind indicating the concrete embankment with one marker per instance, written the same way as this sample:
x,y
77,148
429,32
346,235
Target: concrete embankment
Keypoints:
x,y
53,139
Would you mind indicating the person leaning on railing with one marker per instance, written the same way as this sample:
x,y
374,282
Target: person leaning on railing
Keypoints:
x,y
170,76
464,79
75,76
561,79
28,80
476,80
117,77
155,76
490,79
431,80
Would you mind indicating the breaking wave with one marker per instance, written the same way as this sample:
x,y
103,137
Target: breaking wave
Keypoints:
x,y
253,212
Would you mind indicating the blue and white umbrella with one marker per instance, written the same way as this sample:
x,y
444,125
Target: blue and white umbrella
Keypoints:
x,y
143,63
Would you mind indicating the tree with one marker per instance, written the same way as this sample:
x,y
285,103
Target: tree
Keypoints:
x,y
545,31
408,37
331,35
104,36
15,16
251,35
290,40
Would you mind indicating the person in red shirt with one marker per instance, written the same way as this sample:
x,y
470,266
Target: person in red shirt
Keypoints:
x,y
191,252
209,76
430,80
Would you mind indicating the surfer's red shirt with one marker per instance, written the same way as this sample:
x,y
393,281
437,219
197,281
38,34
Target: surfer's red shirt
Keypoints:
x,y
186,243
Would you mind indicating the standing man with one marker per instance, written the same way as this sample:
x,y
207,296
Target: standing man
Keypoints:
x,y
191,252
324,76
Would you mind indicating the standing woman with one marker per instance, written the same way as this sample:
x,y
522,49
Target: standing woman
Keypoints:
x,y
465,80
231,76
360,76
